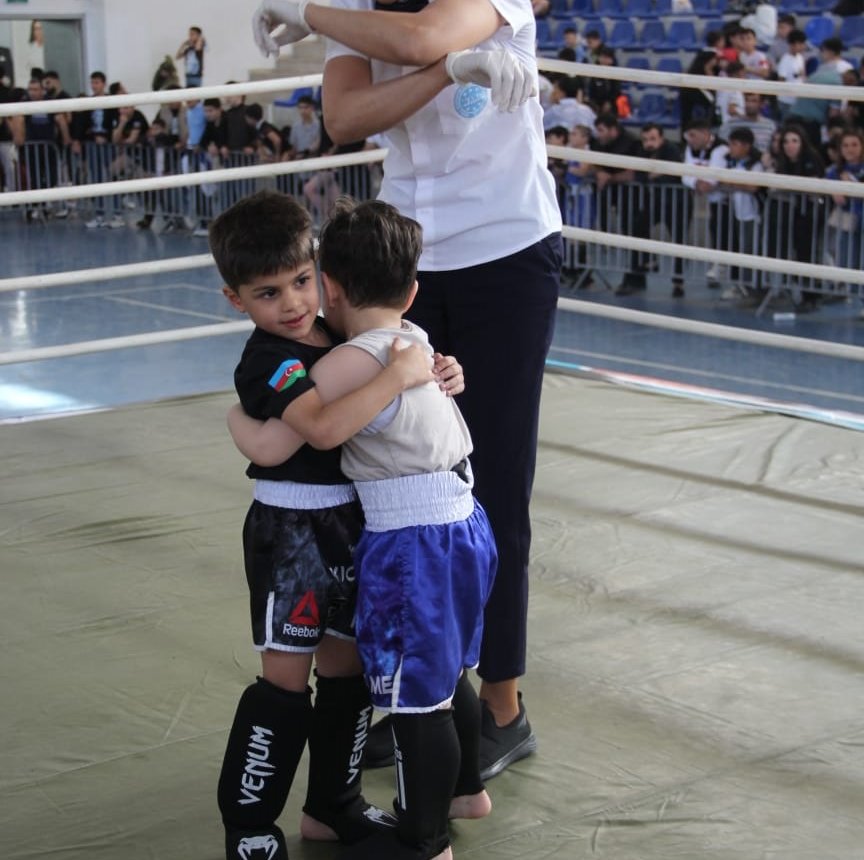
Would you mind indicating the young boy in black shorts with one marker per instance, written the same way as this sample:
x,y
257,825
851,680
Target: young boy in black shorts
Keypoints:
x,y
298,540
426,561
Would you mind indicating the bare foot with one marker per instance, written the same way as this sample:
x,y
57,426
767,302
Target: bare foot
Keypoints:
x,y
316,831
471,805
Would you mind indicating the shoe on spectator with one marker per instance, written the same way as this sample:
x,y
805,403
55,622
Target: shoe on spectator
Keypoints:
x,y
115,223
62,212
379,744
145,222
677,290
716,273
733,292
93,223
500,746
201,232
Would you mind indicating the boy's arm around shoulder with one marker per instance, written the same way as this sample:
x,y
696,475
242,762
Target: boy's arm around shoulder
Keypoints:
x,y
351,388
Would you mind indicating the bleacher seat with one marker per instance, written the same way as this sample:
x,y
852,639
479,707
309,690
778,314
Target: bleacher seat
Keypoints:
x,y
653,36
638,9
720,6
561,9
663,7
851,32
583,9
652,107
546,40
681,36
639,62
623,35
818,29
612,9
701,7
670,64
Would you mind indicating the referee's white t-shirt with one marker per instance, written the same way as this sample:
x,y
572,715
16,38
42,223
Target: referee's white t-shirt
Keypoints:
x,y
475,178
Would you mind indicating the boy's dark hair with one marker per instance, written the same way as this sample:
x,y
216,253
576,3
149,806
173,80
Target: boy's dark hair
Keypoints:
x,y
569,85
196,30
592,34
371,251
832,44
100,76
262,234
255,111
306,100
115,88
796,36
786,18
608,120
743,135
213,103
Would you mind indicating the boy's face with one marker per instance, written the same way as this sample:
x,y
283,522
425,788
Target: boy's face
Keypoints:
x,y
739,150
285,304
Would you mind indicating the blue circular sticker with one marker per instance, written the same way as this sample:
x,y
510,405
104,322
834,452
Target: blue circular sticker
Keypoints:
x,y
470,99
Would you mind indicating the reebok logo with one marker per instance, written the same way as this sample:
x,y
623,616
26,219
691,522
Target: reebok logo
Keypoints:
x,y
305,613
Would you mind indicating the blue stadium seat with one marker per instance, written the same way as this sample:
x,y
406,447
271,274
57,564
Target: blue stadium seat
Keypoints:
x,y
701,7
670,64
561,9
638,61
818,29
623,35
681,36
638,9
652,107
598,25
583,9
653,36
612,9
546,40
852,31
663,7
720,6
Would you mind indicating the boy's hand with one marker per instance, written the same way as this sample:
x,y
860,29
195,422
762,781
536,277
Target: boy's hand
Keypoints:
x,y
448,374
412,365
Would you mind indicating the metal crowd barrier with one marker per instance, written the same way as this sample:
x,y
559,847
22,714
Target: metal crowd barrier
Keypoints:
x,y
798,226
41,165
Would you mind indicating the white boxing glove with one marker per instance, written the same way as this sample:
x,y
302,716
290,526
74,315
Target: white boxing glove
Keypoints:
x,y
511,83
270,16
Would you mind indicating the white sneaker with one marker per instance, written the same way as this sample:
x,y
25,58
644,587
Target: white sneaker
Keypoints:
x,y
92,224
116,223
717,272
201,232
733,292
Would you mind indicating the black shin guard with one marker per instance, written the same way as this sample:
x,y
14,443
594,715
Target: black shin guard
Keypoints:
x,y
340,725
264,748
466,718
427,766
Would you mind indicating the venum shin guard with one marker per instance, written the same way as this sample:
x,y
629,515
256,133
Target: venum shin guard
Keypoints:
x,y
264,747
340,726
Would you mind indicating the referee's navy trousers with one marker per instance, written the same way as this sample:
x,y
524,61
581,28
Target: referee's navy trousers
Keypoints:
x,y
497,318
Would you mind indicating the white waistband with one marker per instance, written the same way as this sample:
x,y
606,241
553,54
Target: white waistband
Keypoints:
x,y
304,497
416,500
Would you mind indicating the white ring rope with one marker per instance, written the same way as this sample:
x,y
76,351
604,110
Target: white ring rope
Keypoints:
x,y
832,92
106,273
713,255
152,338
87,103
761,338
183,180
726,175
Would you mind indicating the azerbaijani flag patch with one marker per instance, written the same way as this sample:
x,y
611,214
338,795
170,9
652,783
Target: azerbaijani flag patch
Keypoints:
x,y
288,373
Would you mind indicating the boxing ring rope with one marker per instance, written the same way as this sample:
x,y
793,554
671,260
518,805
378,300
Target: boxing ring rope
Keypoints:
x,y
367,157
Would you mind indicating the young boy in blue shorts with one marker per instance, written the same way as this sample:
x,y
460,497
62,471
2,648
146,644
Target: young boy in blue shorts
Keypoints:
x,y
298,540
426,560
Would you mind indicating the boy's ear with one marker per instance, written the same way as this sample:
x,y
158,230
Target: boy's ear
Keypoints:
x,y
234,299
331,290
411,296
